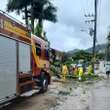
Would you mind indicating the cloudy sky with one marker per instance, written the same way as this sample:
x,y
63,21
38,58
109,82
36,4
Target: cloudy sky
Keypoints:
x,y
66,34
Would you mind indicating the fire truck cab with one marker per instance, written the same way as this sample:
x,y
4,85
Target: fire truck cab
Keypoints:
x,y
40,62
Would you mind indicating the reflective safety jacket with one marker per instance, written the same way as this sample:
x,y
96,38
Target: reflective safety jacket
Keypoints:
x,y
80,71
64,69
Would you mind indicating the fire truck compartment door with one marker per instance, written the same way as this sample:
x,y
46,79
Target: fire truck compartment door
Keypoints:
x,y
24,58
7,67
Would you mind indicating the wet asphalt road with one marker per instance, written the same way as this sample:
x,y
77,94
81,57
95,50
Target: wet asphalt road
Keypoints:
x,y
100,99
93,95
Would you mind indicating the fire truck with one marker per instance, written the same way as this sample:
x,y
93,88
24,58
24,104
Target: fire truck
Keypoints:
x,y
24,60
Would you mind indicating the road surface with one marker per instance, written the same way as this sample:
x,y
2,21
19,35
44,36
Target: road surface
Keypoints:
x,y
70,95
100,99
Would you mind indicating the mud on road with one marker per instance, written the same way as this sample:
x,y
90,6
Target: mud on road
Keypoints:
x,y
69,95
35,102
43,101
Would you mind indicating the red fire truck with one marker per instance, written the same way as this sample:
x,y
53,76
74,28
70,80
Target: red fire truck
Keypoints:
x,y
24,60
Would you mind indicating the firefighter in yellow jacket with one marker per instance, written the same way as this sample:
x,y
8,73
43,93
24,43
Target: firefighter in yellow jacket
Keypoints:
x,y
90,70
64,71
80,70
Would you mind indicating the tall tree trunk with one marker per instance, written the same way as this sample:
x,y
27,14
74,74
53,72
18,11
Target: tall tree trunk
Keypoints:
x,y
26,16
40,23
32,16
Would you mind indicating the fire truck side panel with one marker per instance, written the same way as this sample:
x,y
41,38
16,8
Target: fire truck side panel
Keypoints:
x,y
24,58
8,68
15,59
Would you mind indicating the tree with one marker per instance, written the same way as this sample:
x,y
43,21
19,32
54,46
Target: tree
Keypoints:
x,y
40,10
82,55
38,30
45,11
19,6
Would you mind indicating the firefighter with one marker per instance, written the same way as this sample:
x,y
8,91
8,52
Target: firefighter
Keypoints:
x,y
64,71
80,70
76,70
90,70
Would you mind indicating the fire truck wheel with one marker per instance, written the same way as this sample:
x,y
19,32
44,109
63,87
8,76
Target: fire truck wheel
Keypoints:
x,y
44,84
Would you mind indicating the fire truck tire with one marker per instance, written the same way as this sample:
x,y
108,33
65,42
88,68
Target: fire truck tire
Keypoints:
x,y
43,83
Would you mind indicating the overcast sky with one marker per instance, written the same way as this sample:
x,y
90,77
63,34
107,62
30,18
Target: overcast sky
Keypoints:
x,y
66,33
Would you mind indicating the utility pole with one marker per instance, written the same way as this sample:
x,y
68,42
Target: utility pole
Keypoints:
x,y
95,32
107,58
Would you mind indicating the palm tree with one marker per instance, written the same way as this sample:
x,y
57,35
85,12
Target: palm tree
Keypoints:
x,y
40,10
46,11
19,6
